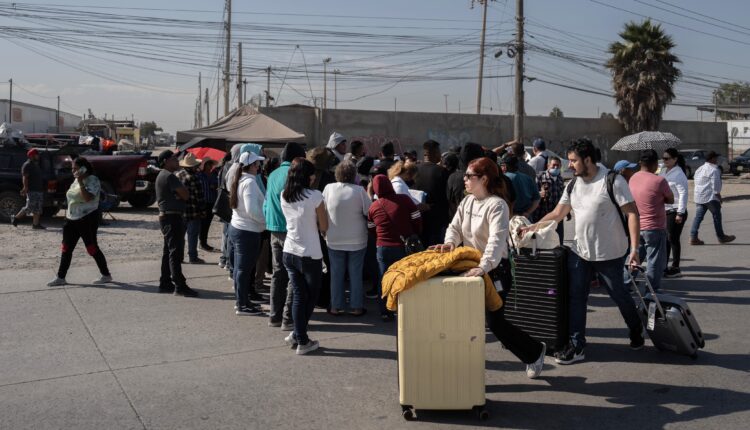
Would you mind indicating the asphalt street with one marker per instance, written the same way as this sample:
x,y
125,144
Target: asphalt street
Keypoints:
x,y
122,356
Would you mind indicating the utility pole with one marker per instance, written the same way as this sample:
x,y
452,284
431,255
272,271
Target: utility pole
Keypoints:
x,y
518,119
10,103
57,119
208,117
227,55
218,85
335,90
239,75
268,87
244,90
446,102
200,102
325,81
481,56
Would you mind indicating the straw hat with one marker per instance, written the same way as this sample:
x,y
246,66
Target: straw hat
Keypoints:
x,y
189,160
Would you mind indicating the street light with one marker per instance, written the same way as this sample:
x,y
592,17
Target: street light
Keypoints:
x,y
325,82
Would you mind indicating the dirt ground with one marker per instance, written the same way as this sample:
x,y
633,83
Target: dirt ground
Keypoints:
x,y
134,236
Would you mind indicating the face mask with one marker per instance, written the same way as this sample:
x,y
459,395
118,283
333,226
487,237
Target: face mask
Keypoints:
x,y
554,172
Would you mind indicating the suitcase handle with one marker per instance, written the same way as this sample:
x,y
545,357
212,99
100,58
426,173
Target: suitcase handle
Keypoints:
x,y
642,270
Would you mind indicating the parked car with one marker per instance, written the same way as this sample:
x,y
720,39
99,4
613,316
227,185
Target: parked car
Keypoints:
x,y
56,176
740,164
694,158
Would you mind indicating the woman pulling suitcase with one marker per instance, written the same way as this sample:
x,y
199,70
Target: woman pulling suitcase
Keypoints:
x,y
482,222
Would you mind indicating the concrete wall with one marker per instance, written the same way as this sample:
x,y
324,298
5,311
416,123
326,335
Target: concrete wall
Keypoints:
x,y
408,130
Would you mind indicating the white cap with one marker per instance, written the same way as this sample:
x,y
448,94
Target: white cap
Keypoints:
x,y
248,158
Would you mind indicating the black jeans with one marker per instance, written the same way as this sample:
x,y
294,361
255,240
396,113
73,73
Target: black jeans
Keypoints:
x,y
674,231
206,224
85,229
513,338
305,275
173,229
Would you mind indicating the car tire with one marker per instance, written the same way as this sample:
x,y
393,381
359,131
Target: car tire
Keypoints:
x,y
142,200
10,203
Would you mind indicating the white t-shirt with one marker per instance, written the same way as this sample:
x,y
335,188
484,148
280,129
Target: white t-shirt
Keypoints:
x,y
302,238
347,206
599,235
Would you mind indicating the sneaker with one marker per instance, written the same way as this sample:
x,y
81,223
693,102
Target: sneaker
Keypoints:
x,y
274,323
727,238
696,241
104,279
636,340
41,227
534,369
57,282
208,248
372,294
197,261
249,310
310,346
222,264
287,326
166,289
185,292
290,340
569,355
673,272
13,221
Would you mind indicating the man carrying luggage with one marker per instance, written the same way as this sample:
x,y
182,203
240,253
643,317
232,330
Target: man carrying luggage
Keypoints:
x,y
596,199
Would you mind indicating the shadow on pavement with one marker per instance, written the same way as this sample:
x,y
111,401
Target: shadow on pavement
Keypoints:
x,y
358,353
145,288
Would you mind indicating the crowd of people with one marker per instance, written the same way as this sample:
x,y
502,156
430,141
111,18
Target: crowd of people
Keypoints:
x,y
322,222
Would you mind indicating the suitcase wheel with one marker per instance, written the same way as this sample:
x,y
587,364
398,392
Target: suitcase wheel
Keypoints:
x,y
482,413
408,413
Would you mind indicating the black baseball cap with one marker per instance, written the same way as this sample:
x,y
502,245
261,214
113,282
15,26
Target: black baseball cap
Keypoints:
x,y
164,156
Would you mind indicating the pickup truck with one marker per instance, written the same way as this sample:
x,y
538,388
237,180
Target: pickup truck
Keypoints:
x,y
56,175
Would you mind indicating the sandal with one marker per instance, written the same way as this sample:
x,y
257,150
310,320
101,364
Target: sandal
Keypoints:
x,y
358,312
336,312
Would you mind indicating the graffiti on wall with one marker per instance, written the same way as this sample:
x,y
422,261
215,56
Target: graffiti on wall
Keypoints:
x,y
449,138
373,143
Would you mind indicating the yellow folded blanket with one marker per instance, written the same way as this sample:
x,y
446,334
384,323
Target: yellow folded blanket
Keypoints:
x,y
418,267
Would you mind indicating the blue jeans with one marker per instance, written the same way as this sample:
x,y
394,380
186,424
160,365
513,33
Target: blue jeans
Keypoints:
x,y
305,275
387,255
341,262
224,242
580,273
193,227
714,206
246,250
655,242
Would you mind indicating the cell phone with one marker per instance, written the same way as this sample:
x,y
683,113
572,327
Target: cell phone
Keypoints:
x,y
81,171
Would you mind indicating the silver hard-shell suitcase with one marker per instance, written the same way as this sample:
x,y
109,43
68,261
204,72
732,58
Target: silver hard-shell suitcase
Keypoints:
x,y
669,321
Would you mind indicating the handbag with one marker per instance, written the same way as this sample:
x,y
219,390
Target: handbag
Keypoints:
x,y
412,244
221,206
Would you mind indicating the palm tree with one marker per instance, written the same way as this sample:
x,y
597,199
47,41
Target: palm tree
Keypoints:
x,y
643,75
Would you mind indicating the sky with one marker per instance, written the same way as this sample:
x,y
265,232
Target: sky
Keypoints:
x,y
143,59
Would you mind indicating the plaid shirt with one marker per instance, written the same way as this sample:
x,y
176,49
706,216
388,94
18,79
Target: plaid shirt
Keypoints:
x,y
195,204
554,186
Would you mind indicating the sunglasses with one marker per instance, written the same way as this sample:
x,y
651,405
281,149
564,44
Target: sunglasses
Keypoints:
x,y
469,176
666,158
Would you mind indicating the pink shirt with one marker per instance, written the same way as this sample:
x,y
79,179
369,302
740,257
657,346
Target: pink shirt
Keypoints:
x,y
649,192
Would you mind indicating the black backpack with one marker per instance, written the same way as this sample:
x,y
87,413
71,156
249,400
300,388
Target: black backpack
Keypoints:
x,y
611,176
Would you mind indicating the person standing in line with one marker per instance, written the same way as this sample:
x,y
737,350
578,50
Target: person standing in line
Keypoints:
x,y
432,178
33,190
357,152
626,169
551,186
209,179
226,258
651,192
540,159
171,196
526,193
674,173
707,197
599,245
248,222
391,219
194,206
456,190
82,222
322,160
279,314
386,160
519,152
306,216
337,147
482,222
401,174
347,205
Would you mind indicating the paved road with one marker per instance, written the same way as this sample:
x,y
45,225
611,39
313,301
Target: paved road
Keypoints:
x,y
122,357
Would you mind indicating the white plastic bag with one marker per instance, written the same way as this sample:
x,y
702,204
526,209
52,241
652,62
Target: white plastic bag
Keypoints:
x,y
542,235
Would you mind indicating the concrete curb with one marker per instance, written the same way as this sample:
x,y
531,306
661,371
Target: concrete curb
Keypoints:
x,y
736,198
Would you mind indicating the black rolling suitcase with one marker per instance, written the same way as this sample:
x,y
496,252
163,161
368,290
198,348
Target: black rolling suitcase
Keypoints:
x,y
668,320
537,302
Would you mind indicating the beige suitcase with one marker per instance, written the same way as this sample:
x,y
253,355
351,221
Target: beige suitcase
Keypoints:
x,y
441,329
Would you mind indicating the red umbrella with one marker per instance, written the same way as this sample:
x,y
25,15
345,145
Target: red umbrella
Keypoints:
x,y
203,153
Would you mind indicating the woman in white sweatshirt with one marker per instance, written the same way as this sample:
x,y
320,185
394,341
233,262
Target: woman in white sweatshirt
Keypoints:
x,y
674,173
248,222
